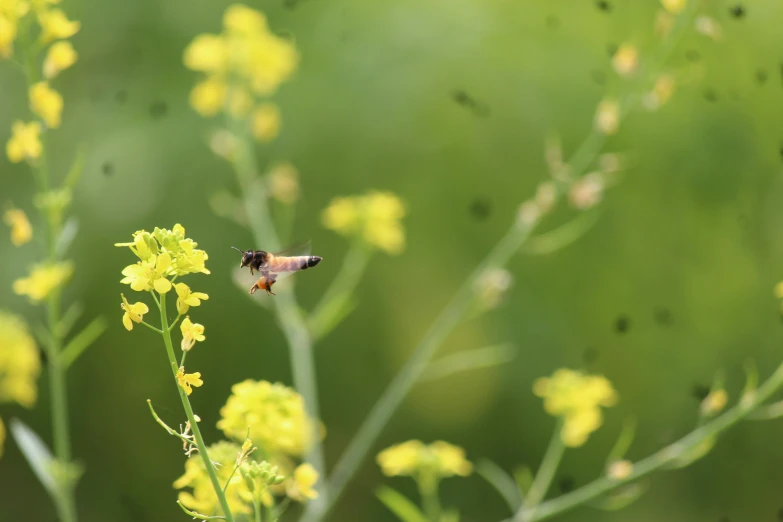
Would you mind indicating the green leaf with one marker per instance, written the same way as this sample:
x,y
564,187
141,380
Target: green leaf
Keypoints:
x,y
82,341
693,454
66,237
621,498
523,476
400,505
69,318
502,482
37,454
469,360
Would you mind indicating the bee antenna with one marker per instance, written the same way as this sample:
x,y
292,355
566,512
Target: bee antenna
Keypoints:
x,y
240,251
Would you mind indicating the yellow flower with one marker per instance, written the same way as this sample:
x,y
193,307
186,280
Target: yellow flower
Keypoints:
x,y
191,332
146,275
56,26
607,116
7,36
61,55
779,290
208,97
626,59
206,53
20,362
25,142
266,122
714,402
674,6
46,103
577,398
375,217
301,487
203,498
43,280
21,231
134,313
186,380
274,413
241,19
412,458
186,298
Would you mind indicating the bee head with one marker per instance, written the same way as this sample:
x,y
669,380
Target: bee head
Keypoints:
x,y
247,257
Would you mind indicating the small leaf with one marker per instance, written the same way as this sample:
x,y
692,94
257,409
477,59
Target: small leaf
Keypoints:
x,y
332,315
37,454
621,498
69,318
501,481
693,454
623,441
523,476
82,341
400,505
562,236
67,235
469,360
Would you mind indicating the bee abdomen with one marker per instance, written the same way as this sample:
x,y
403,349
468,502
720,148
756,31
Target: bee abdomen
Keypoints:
x,y
308,262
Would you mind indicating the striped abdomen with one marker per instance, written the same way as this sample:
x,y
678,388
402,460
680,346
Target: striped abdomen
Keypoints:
x,y
293,263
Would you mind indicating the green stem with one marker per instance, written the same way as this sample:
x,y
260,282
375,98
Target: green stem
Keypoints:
x,y
300,344
657,460
257,509
202,448
428,490
543,479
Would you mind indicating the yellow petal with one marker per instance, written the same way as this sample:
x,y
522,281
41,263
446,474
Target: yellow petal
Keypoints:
x,y
161,285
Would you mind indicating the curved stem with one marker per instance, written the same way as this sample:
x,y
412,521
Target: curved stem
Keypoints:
x,y
552,458
202,448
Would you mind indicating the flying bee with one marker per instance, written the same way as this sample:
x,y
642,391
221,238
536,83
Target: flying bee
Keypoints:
x,y
274,267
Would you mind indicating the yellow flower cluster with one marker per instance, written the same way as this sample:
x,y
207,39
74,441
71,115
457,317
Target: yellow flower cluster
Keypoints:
x,y
43,280
45,102
241,65
577,398
413,458
19,361
375,217
163,254
21,231
274,413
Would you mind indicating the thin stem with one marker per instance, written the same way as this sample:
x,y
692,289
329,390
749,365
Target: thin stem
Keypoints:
x,y
659,459
428,490
145,323
257,508
543,479
202,448
300,344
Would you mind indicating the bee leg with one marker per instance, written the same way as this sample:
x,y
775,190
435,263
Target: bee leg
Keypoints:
x,y
270,280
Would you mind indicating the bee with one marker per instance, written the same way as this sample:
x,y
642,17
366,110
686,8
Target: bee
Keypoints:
x,y
274,267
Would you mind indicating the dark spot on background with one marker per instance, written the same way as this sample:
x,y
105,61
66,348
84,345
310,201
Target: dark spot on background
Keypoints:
x,y
781,151
552,22
761,76
107,168
780,514
710,95
43,357
463,99
598,77
590,355
663,316
692,55
700,392
121,96
737,11
604,6
611,49
158,109
566,484
622,324
480,209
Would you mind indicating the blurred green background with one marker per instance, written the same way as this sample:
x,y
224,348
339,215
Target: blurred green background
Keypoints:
x,y
686,253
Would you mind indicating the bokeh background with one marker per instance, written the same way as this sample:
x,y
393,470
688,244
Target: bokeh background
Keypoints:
x,y
673,284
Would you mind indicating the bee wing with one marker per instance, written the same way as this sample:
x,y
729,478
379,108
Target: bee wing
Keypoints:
x,y
301,249
243,279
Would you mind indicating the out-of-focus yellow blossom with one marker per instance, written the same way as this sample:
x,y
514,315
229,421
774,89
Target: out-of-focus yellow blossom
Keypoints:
x,y
274,413
56,26
714,402
607,116
577,398
779,290
146,275
664,22
301,487
375,217
191,332
661,92
626,59
266,122
674,6
246,55
25,142
20,363
708,27
43,280
413,458
186,380
21,231
60,56
203,499
208,96
46,103
620,470
7,36
283,183
134,313
587,191
528,213
187,298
